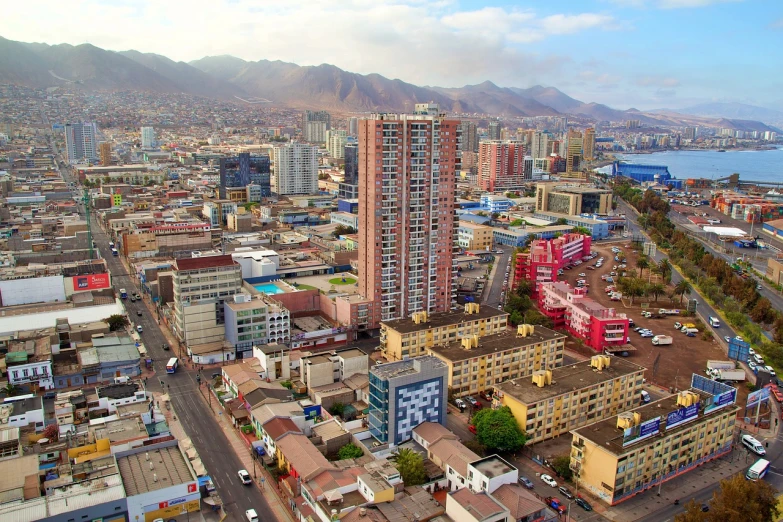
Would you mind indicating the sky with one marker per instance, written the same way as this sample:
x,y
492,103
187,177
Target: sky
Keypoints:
x,y
647,54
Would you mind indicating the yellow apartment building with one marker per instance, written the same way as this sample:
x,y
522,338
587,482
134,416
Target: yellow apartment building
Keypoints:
x,y
624,455
553,402
473,236
479,363
413,336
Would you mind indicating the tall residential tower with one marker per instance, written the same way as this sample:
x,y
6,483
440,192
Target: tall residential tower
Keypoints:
x,y
80,144
407,181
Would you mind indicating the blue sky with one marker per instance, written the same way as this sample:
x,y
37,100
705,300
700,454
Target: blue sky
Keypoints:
x,y
624,53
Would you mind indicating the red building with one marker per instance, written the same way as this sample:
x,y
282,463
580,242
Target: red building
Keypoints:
x,y
547,256
501,165
599,327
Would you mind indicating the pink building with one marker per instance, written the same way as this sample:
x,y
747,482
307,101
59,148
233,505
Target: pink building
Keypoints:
x,y
547,256
501,165
595,324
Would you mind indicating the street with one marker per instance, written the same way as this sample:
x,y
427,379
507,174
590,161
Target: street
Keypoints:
x,y
492,297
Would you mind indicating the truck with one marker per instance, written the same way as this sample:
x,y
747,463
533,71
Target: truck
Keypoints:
x,y
123,293
689,331
721,365
665,311
680,326
661,340
729,375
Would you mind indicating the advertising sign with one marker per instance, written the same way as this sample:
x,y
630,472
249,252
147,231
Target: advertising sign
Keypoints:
x,y
682,415
91,282
722,400
642,431
757,396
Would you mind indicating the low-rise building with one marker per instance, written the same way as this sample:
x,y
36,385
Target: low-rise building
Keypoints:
x,y
472,236
465,505
599,229
553,402
572,199
476,364
413,336
546,257
624,455
255,320
599,327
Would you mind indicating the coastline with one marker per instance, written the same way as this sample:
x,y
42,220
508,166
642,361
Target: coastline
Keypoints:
x,y
760,148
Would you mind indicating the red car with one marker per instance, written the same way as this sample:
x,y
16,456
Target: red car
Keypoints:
x,y
472,429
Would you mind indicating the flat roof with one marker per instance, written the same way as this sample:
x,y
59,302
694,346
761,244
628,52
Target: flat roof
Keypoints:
x,y
567,379
443,319
493,466
608,436
168,469
507,340
405,367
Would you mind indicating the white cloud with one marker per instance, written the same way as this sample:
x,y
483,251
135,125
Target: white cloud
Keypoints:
x,y
671,4
421,41
657,81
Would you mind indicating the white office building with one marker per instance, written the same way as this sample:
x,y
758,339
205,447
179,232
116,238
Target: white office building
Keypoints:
x,y
148,138
296,169
80,142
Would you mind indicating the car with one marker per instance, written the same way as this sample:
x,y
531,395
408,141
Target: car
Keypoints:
x,y
566,493
613,274
555,504
751,352
244,477
752,366
739,338
139,329
526,482
165,347
473,402
610,280
758,287
581,281
647,334
582,503
251,515
705,508
460,404
631,323
549,481
727,339
582,275
758,360
770,369
138,312
591,268
487,396
472,429
638,329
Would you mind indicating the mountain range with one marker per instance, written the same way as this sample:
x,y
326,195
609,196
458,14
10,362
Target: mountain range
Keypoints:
x,y
328,87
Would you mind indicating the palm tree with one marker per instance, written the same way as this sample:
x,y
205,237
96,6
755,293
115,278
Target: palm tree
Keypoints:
x,y
682,288
10,390
665,269
656,290
641,264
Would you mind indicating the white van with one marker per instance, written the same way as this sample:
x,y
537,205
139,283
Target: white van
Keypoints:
x,y
753,445
645,397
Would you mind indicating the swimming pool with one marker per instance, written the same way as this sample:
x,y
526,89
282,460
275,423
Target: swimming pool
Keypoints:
x,y
269,288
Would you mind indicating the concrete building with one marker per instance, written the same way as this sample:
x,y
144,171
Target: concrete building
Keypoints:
x,y
105,153
296,169
501,165
539,145
553,402
349,188
314,126
404,394
243,170
545,257
472,236
494,130
201,287
588,144
252,321
80,142
412,337
407,180
624,455
321,370
476,363
148,138
599,228
335,143
493,203
572,199
599,327
470,142
574,151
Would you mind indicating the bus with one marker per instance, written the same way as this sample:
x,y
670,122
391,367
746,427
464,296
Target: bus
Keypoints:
x,y
757,470
171,366
714,322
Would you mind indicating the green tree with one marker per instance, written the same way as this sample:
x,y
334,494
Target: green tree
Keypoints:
x,y
495,216
656,290
693,513
643,263
410,465
10,389
682,289
350,451
117,322
561,221
475,446
337,409
498,429
562,466
740,500
517,223
342,230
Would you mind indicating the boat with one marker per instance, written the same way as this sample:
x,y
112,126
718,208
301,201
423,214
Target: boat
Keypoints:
x,y
721,150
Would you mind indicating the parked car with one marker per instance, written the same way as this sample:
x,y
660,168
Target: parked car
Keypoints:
x,y
727,339
582,275
138,312
566,493
582,503
165,347
752,366
484,395
460,404
472,429
770,369
139,329
526,482
549,481
251,515
751,352
244,477
473,402
647,334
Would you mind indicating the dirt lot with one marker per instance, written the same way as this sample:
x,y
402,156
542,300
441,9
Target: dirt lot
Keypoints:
x,y
685,356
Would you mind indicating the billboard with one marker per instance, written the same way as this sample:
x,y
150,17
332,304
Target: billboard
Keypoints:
x,y
757,396
91,282
739,350
722,400
642,431
682,415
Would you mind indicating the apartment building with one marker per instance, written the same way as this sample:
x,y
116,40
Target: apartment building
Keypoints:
x,y
501,165
147,240
80,144
201,287
472,236
632,452
407,168
547,256
572,200
414,336
296,169
588,144
553,402
573,151
477,364
599,327
404,394
252,321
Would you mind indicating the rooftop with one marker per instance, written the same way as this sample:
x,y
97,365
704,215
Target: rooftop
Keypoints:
x,y
508,340
351,353
608,436
166,467
442,319
520,502
453,453
198,263
493,466
432,431
276,427
418,505
303,456
406,367
480,505
567,379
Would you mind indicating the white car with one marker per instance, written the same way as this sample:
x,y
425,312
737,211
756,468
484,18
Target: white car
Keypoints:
x,y
582,275
244,476
251,515
752,365
751,352
646,334
549,481
770,369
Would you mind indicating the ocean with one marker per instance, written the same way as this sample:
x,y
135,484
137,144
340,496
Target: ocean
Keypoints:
x,y
752,165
